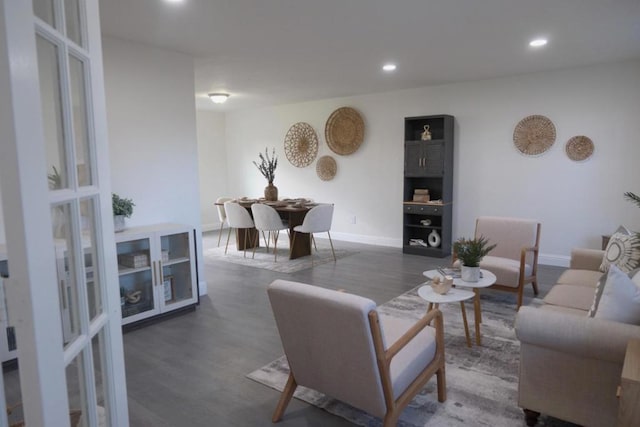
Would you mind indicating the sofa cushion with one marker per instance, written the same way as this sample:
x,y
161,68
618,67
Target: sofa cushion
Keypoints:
x,y
507,271
620,300
587,278
571,296
623,251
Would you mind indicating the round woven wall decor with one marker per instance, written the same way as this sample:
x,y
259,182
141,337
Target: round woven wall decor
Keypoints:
x,y
326,168
344,131
579,148
534,135
301,144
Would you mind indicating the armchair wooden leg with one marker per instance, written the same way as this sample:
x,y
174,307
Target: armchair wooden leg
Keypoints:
x,y
441,378
276,234
535,287
531,417
520,291
285,398
255,244
391,418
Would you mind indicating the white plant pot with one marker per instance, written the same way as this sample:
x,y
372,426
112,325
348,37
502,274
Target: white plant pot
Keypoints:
x,y
118,223
469,274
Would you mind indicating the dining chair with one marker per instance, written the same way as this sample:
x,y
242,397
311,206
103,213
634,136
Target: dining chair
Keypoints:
x,y
222,215
267,219
338,344
317,220
238,217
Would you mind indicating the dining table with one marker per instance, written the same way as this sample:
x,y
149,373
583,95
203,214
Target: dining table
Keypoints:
x,y
291,210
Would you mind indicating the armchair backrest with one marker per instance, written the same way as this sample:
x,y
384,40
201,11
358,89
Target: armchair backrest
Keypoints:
x,y
266,218
510,234
327,339
237,216
318,219
222,215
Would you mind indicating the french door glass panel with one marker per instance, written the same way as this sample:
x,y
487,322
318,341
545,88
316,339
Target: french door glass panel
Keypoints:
x,y
93,280
49,73
43,9
72,21
77,391
80,129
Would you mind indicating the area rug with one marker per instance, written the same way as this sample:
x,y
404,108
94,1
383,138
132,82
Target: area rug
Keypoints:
x,y
283,264
482,381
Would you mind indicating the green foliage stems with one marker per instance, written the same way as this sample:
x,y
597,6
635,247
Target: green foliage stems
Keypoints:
x,y
471,251
268,165
122,206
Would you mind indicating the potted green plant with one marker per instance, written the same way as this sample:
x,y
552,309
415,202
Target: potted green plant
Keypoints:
x,y
122,208
470,252
267,168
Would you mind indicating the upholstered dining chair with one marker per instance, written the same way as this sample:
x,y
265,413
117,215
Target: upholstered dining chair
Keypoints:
x,y
267,219
514,260
238,217
222,215
317,220
338,344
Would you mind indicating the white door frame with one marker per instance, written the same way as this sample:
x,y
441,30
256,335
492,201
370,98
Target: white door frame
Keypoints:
x,y
32,290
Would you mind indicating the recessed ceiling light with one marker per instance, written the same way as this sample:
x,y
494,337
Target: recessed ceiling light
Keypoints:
x,y
219,98
538,42
389,67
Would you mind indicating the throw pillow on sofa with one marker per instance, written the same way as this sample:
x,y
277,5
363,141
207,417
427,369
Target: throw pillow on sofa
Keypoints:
x,y
623,251
619,298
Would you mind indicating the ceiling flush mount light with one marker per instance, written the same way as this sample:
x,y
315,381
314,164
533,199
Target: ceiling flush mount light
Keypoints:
x,y
389,67
538,42
219,98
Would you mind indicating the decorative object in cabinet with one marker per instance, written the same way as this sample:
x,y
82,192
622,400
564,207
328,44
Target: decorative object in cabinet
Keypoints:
x,y
426,135
428,185
167,283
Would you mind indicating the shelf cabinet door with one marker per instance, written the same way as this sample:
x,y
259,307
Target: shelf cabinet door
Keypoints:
x,y
433,159
413,156
177,266
137,279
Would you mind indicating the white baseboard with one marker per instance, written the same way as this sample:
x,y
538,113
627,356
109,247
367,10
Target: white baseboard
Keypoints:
x,y
544,259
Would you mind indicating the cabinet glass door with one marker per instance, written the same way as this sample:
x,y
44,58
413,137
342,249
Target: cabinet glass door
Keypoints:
x,y
177,270
136,280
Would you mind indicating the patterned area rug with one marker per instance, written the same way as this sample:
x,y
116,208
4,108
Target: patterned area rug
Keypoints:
x,y
283,264
482,382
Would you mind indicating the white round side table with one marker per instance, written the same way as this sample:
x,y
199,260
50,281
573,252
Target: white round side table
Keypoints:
x,y
454,295
487,279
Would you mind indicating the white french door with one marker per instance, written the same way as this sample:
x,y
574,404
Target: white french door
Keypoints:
x,y
63,288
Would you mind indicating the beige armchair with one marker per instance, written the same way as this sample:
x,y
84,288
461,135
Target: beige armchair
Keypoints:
x,y
515,260
336,343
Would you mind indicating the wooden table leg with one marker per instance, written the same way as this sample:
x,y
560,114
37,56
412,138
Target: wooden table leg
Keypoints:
x,y
477,314
466,325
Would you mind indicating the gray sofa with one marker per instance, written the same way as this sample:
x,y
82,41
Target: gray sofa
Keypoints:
x,y
570,364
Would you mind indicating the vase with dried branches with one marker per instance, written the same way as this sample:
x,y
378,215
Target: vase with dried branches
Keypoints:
x,y
267,168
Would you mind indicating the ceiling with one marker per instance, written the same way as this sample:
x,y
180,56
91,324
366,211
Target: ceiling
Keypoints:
x,y
267,52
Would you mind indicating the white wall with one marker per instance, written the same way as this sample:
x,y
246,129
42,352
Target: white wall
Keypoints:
x,y
152,134
576,202
212,163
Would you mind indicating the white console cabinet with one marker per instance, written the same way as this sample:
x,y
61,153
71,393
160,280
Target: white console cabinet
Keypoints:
x,y
157,270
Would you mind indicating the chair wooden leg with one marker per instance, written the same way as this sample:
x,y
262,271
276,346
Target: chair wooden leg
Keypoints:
x,y
313,239
220,233
332,251
520,292
285,398
535,287
228,237
266,242
275,245
391,418
255,244
441,377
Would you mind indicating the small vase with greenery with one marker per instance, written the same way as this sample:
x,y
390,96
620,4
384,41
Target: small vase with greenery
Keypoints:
x,y
267,168
470,252
122,208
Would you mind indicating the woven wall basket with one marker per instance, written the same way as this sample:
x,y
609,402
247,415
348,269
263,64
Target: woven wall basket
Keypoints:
x,y
534,135
579,148
301,144
344,131
326,168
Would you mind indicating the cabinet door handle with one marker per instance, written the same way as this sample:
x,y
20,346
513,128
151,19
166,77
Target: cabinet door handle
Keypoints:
x,y
155,281
160,275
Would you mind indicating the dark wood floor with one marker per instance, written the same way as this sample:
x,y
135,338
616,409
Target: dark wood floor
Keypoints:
x,y
190,370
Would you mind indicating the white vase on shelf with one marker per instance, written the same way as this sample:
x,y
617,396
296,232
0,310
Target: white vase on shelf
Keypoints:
x,y
434,239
